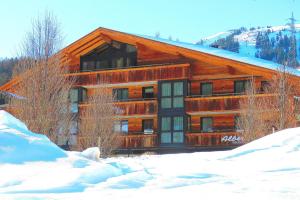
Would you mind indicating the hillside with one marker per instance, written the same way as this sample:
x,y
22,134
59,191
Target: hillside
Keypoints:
x,y
267,168
247,39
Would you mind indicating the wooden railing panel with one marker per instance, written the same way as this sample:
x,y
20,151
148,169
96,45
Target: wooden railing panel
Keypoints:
x,y
146,107
213,139
138,141
142,74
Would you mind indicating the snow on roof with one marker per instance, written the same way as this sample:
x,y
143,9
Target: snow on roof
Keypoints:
x,y
224,54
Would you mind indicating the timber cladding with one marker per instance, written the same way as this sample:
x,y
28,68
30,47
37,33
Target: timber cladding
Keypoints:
x,y
170,96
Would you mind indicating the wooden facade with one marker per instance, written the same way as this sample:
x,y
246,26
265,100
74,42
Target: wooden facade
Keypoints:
x,y
194,96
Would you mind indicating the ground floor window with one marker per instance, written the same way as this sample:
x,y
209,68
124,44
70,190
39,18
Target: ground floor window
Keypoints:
x,y
148,126
121,127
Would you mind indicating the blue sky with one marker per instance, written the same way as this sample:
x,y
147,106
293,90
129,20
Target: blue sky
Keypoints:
x,y
187,20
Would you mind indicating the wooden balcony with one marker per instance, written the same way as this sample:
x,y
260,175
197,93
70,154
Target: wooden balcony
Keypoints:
x,y
138,141
213,139
127,108
134,74
216,104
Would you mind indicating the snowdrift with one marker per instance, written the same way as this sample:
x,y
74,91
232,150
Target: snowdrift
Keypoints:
x,y
31,167
18,144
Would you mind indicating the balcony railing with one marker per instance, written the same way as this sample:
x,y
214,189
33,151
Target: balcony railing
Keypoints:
x,y
125,75
220,102
138,107
213,139
137,141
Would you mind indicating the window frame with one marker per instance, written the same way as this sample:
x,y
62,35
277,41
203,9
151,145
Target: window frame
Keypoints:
x,y
119,92
144,92
201,88
144,124
202,122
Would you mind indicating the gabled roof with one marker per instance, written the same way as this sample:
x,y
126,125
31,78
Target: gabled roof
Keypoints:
x,y
101,35
108,34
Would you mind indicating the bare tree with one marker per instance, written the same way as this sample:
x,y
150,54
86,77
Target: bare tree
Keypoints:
x,y
274,110
44,106
252,119
283,104
97,120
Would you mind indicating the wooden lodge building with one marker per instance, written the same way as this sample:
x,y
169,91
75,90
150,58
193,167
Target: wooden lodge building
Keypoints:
x,y
173,95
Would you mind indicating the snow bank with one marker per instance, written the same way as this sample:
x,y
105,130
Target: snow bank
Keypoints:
x,y
92,153
268,168
18,144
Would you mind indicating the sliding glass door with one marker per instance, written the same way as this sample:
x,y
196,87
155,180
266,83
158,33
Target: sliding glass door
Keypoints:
x,y
171,111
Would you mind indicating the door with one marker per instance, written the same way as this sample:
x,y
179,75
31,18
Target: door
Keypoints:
x,y
172,130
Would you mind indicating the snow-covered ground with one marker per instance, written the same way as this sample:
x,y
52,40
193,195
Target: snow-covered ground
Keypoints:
x,y
31,167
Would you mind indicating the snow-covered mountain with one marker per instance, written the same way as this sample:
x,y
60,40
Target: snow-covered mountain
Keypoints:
x,y
31,167
247,38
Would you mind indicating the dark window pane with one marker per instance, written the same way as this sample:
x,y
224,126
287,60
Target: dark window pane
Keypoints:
x,y
178,88
165,137
166,124
206,124
74,94
166,89
120,62
124,93
148,126
178,123
121,94
166,103
130,48
124,126
178,137
240,86
178,102
148,92
206,89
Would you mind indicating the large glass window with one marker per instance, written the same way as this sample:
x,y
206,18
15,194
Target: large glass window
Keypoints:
x,y
206,89
121,94
172,95
240,86
207,124
148,126
114,55
172,129
148,92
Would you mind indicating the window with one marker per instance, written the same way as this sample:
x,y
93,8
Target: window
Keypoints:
x,y
172,130
121,127
264,86
166,95
206,124
172,95
120,62
240,86
148,92
236,123
74,95
206,89
166,130
148,126
178,129
102,64
121,94
107,56
178,95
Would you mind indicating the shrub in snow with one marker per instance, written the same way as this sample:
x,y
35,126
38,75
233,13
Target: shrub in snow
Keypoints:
x,y
92,153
